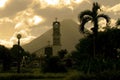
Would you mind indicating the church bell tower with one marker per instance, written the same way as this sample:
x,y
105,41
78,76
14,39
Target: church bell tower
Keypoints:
x,y
56,37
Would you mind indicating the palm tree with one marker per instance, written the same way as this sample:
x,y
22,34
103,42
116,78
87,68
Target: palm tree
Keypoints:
x,y
92,15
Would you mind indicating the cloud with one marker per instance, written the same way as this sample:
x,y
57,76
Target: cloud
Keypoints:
x,y
57,3
20,26
102,24
36,20
28,17
23,22
113,22
13,6
5,20
114,9
6,43
3,3
31,18
26,38
6,28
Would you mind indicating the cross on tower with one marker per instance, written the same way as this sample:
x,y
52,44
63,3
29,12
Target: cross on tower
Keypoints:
x,y
56,19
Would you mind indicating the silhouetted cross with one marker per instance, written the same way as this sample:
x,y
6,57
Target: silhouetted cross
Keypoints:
x,y
56,18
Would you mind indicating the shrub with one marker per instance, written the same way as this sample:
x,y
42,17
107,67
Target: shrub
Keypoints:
x,y
53,64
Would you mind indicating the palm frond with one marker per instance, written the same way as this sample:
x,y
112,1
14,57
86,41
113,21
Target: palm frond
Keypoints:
x,y
85,13
95,4
95,7
106,17
84,21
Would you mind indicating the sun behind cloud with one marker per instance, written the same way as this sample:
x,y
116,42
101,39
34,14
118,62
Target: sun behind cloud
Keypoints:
x,y
51,2
37,20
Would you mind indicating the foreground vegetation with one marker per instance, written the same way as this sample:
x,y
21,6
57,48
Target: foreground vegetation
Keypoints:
x,y
72,75
31,76
106,75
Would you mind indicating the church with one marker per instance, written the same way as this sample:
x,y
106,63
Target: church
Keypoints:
x,y
56,45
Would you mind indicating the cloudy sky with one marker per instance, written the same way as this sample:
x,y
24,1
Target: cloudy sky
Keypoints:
x,y
31,18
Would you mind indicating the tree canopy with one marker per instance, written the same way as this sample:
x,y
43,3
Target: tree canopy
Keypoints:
x,y
107,41
93,16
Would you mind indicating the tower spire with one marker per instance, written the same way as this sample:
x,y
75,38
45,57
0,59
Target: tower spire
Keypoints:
x,y
56,37
56,19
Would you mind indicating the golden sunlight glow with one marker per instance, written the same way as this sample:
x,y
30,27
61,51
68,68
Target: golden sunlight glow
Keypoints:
x,y
67,2
59,3
2,3
52,2
78,1
37,19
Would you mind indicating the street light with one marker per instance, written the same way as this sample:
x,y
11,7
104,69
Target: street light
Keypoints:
x,y
19,59
18,37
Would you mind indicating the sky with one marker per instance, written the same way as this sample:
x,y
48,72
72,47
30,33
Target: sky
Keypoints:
x,y
32,18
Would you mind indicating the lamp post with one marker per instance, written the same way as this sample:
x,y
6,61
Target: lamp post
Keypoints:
x,y
19,59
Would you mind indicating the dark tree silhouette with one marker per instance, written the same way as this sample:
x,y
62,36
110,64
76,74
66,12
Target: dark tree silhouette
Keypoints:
x,y
108,52
62,53
5,58
53,64
14,52
92,15
17,53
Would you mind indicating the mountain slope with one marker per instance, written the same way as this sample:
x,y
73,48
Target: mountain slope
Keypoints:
x,y
70,36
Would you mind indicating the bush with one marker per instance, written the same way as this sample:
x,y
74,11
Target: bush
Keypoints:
x,y
53,64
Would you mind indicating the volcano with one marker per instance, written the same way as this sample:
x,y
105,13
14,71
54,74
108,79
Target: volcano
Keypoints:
x,y
70,36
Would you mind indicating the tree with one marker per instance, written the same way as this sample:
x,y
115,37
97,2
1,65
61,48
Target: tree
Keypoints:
x,y
107,52
14,52
62,53
5,57
17,53
92,15
53,64
108,44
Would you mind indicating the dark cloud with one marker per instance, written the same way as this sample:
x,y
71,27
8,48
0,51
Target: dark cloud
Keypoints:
x,y
13,7
50,13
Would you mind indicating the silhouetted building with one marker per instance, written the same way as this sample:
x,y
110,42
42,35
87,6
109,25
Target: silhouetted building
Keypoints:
x,y
56,46
48,51
56,37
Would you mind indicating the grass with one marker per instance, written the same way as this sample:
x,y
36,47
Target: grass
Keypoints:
x,y
70,75
30,76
